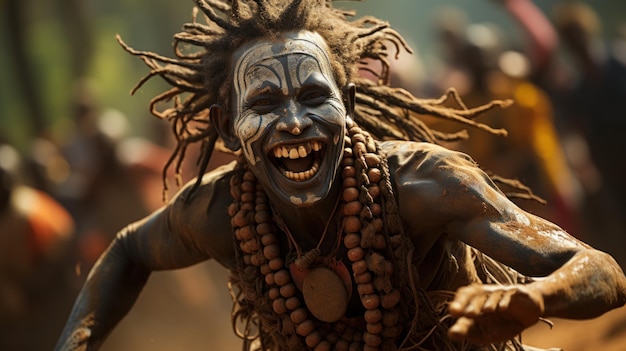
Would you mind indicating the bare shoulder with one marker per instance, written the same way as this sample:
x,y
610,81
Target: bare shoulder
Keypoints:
x,y
435,185
199,211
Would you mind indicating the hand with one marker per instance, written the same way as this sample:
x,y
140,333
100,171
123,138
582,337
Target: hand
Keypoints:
x,y
493,313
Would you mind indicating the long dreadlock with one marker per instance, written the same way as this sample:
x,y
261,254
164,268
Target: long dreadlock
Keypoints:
x,y
199,79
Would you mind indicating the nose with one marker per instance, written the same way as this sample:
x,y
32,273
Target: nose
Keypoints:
x,y
294,119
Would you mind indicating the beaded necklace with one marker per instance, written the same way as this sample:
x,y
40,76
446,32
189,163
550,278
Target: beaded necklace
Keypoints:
x,y
373,246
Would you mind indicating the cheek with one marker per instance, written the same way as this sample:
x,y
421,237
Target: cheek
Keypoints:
x,y
249,128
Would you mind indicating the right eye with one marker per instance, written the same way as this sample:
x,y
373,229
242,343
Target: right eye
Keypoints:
x,y
263,105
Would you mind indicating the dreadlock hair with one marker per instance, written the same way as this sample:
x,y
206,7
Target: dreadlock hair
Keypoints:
x,y
199,78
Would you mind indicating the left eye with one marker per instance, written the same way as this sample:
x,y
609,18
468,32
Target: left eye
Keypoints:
x,y
314,98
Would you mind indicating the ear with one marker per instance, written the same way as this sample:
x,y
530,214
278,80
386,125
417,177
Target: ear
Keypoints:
x,y
222,124
349,98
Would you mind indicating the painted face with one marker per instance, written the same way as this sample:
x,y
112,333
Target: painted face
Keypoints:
x,y
289,116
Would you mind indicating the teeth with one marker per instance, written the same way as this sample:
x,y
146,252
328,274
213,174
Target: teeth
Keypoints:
x,y
300,151
301,176
296,152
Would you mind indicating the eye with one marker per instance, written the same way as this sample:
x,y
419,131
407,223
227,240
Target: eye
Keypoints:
x,y
262,105
314,97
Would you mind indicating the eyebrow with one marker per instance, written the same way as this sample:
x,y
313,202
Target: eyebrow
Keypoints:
x,y
265,88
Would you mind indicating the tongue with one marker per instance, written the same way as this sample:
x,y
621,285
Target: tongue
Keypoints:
x,y
297,165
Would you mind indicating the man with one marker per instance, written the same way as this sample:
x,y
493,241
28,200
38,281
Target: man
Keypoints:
x,y
335,240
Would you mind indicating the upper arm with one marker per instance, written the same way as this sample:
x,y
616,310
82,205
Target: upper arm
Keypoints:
x,y
457,198
191,228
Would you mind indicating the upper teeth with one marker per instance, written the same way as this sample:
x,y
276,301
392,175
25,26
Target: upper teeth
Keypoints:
x,y
298,151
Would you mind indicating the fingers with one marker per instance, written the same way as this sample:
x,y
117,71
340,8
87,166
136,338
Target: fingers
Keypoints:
x,y
473,300
461,329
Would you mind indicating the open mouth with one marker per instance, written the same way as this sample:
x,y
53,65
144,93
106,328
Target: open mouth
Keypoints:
x,y
298,162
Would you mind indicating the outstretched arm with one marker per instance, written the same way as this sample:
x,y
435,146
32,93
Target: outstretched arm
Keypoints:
x,y
578,281
448,193
179,235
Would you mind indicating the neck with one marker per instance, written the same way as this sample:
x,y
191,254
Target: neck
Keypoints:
x,y
307,224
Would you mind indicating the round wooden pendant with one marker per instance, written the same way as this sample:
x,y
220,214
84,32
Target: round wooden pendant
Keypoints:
x,y
325,294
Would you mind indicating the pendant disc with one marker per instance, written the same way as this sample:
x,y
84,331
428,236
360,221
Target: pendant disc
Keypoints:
x,y
325,294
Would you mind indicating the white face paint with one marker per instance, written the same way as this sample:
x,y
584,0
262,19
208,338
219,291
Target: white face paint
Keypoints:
x,y
288,115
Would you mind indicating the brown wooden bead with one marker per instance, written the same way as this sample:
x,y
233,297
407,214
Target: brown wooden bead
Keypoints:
x,y
246,233
374,191
350,194
240,219
274,293
374,328
263,217
352,208
373,315
305,328
269,279
282,277
358,137
248,197
372,339
347,161
376,210
356,254
349,182
279,306
248,175
250,246
276,263
370,301
324,345
372,160
359,267
268,239
351,224
313,339
271,251
265,229
374,174
234,180
390,300
363,278
288,290
261,207
365,289
235,192
233,208
352,240
247,259
298,315
359,148
265,269
293,303
348,172
342,345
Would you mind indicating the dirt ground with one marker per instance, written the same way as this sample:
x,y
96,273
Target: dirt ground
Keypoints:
x,y
189,310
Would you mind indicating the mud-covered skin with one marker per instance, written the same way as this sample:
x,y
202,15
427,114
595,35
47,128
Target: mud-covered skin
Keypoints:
x,y
445,202
450,199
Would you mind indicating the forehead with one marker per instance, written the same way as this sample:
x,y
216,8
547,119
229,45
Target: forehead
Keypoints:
x,y
291,44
